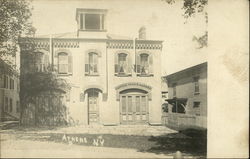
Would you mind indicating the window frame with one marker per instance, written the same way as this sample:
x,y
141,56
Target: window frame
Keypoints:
x,y
196,85
60,54
127,64
93,64
6,104
122,64
149,64
101,19
10,105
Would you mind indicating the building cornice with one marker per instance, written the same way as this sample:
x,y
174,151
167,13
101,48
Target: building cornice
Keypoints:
x,y
74,43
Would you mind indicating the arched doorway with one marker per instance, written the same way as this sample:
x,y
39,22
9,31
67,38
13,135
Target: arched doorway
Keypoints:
x,y
93,105
133,106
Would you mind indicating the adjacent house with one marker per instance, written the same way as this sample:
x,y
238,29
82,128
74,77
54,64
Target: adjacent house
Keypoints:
x,y
9,89
113,80
187,98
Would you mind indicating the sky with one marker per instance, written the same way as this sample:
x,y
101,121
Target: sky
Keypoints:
x,y
162,21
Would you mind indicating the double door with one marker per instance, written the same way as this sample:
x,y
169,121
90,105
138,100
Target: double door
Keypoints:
x,y
134,109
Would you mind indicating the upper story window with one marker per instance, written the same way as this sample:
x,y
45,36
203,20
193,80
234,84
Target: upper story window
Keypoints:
x,y
144,66
122,64
12,83
91,64
64,63
92,21
6,104
196,85
6,82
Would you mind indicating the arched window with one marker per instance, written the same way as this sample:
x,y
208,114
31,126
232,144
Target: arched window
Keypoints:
x,y
91,65
64,63
40,62
122,64
144,64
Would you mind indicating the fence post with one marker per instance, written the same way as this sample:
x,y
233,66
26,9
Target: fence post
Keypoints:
x,y
178,155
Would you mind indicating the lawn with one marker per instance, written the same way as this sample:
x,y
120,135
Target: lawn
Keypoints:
x,y
189,142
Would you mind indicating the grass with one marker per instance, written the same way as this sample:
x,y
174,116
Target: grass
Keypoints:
x,y
190,142
167,144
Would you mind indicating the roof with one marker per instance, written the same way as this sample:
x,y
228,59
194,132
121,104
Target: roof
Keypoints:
x,y
175,100
191,70
60,35
112,37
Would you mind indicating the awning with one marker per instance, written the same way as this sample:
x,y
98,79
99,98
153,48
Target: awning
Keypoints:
x,y
177,100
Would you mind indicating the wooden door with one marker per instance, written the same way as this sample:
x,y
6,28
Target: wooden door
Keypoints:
x,y
134,109
93,107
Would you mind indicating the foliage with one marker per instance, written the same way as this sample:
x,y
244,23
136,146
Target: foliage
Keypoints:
x,y
14,22
202,41
39,83
191,7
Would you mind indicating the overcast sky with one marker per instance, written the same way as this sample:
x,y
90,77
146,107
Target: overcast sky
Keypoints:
x,y
162,22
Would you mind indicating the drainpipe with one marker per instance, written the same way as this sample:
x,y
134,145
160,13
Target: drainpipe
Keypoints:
x,y
107,69
134,43
51,51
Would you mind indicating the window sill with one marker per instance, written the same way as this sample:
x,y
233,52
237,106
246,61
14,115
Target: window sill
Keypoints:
x,y
196,93
92,75
123,75
145,75
66,74
93,30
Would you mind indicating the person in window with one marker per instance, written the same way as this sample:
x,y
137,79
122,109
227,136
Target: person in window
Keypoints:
x,y
93,63
122,63
144,64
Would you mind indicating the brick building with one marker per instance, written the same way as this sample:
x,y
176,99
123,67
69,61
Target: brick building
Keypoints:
x,y
113,80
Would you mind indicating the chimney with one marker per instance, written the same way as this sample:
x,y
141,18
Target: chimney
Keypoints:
x,y
142,33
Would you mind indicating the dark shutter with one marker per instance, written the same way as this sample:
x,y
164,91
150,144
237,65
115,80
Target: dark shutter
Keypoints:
x,y
138,63
150,69
86,63
116,63
70,64
129,61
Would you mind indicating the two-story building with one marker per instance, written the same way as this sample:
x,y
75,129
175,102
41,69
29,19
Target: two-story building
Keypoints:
x,y
9,89
187,98
113,80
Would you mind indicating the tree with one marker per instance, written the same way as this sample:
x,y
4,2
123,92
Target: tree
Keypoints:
x,y
14,22
41,88
191,8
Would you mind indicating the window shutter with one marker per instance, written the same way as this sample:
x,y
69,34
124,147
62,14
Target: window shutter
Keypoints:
x,y
70,64
86,64
116,63
129,67
150,69
95,63
2,81
138,63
